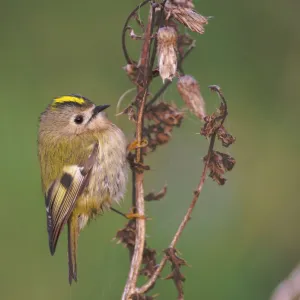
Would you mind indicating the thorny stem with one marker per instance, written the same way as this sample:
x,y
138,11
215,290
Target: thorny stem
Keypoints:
x,y
142,94
148,285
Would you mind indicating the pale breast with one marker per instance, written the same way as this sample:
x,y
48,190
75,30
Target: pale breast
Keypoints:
x,y
108,177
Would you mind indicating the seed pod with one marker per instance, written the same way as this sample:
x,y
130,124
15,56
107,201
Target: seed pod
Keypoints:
x,y
167,52
189,90
186,16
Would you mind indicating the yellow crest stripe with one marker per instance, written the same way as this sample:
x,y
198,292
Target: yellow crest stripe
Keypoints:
x,y
64,99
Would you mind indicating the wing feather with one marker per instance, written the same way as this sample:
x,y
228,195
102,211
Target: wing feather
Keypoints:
x,y
62,195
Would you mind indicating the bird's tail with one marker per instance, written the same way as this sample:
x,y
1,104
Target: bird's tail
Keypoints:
x,y
73,232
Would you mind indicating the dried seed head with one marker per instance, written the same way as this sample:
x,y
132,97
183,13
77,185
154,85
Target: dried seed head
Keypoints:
x,y
186,16
183,3
189,90
167,52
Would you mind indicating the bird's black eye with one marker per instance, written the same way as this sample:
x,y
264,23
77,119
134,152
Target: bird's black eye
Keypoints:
x,y
78,119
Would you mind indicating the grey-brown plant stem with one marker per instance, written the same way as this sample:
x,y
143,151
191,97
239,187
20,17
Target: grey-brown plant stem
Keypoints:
x,y
142,93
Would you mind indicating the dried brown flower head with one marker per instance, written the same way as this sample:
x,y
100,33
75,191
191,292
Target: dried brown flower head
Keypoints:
x,y
167,52
156,196
186,16
189,90
183,3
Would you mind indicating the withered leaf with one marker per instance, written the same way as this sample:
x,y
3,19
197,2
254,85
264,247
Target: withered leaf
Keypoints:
x,y
213,122
219,163
127,236
162,138
156,196
162,118
226,138
149,262
165,113
176,275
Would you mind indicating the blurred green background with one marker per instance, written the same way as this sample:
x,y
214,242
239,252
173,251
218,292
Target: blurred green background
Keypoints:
x,y
243,238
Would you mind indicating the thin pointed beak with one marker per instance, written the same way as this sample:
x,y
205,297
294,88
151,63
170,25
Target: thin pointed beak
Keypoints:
x,y
100,108
97,110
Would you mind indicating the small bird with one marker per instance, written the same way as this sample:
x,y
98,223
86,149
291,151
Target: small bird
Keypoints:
x,y
83,167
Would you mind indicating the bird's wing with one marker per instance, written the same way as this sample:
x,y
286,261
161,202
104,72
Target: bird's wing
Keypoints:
x,y
62,195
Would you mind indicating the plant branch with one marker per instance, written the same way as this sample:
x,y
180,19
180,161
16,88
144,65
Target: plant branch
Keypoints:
x,y
159,121
141,98
148,285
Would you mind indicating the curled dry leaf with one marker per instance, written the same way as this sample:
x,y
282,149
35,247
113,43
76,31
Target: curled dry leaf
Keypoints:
x,y
189,90
162,118
127,236
149,262
176,274
213,122
156,196
226,138
167,52
186,16
219,164
165,113
163,138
